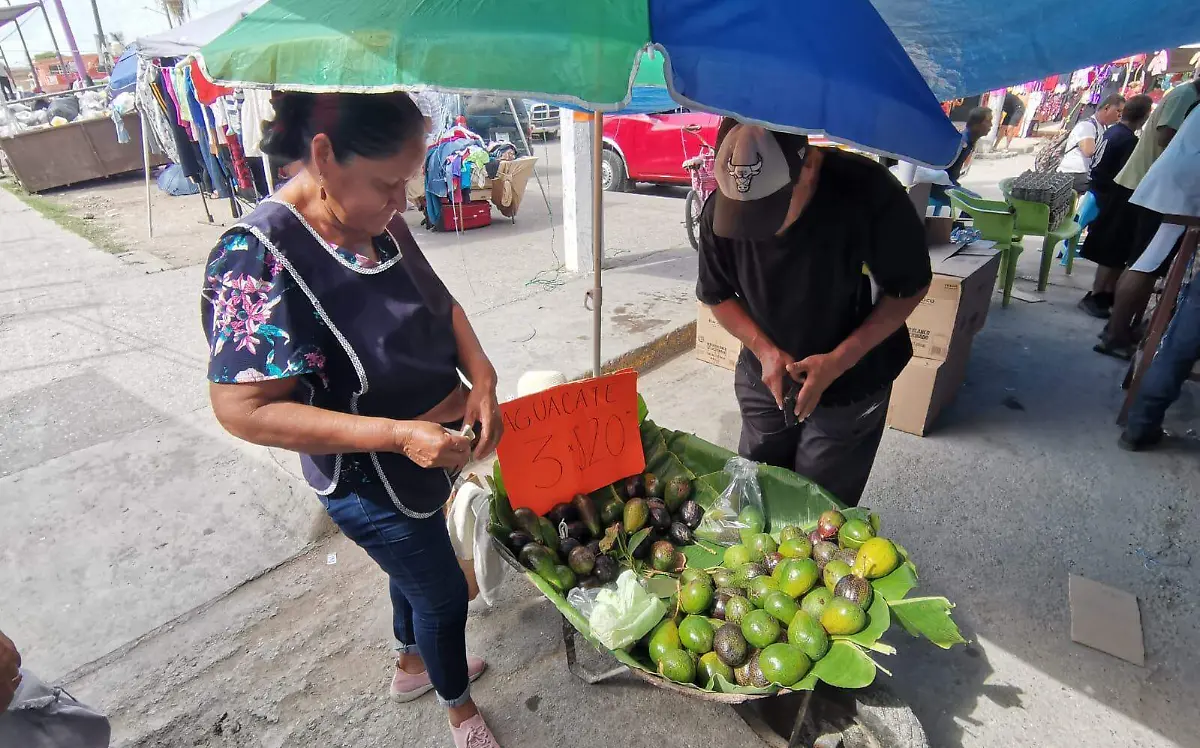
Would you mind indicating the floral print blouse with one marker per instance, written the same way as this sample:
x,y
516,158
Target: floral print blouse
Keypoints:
x,y
259,323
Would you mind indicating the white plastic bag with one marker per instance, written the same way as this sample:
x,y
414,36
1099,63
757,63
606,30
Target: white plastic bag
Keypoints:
x,y
584,600
724,522
622,616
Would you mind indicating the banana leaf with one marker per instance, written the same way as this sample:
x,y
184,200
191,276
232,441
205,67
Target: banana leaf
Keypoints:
x,y
929,617
699,455
846,665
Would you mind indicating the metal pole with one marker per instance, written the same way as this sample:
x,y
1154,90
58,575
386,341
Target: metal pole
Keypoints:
x,y
597,237
101,47
80,68
269,171
37,82
62,64
146,166
520,130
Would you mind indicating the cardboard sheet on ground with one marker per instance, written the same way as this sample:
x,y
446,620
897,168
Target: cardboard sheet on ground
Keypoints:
x,y
1106,619
570,439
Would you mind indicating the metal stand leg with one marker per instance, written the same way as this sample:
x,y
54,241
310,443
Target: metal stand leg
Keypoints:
x,y
579,671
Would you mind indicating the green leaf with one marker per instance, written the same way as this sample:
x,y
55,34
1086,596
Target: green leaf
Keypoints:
x,y
791,499
698,455
636,539
706,489
609,541
701,557
846,665
643,411
929,617
662,586
899,583
498,480
879,620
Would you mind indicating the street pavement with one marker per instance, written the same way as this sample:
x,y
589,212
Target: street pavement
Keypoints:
x,y
132,522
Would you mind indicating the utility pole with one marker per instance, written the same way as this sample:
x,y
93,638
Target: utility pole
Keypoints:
x,y
80,68
62,64
101,45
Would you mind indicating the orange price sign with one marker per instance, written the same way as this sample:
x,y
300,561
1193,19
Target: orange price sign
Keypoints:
x,y
570,439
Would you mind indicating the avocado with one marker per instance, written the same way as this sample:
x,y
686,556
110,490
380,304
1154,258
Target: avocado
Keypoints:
x,y
635,487
654,486
536,557
694,575
722,578
806,633
642,551
730,645
663,637
790,532
696,634
829,523
696,597
772,560
660,519
676,492
854,533
855,589
585,508
680,534
606,569
547,534
847,555
784,664
566,545
579,531
518,539
736,608
690,513
677,665
562,512
750,674
526,520
662,555
564,578
611,510
833,573
823,552
581,561
636,514
594,547
709,667
749,571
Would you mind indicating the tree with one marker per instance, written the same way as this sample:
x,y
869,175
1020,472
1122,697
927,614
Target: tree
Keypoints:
x,y
45,56
177,11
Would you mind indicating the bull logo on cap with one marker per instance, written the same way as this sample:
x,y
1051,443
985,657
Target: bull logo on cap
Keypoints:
x,y
743,174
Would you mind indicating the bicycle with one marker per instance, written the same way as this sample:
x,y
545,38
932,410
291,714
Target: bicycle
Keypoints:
x,y
702,170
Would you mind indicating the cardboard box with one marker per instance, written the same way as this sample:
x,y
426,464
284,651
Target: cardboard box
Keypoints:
x,y
959,297
937,230
714,344
925,387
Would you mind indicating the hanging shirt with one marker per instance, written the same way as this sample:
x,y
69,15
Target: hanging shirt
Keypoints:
x,y
256,109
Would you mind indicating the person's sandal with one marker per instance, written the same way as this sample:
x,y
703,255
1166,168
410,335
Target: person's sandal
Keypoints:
x,y
1121,352
473,733
407,686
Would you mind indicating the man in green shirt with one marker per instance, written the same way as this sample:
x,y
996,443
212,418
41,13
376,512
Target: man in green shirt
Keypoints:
x,y
1138,225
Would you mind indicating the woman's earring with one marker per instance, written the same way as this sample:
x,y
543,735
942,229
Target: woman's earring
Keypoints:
x,y
323,195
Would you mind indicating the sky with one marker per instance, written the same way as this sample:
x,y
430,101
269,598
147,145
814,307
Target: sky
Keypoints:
x,y
133,17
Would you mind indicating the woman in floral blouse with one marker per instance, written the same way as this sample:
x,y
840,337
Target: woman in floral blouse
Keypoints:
x,y
330,334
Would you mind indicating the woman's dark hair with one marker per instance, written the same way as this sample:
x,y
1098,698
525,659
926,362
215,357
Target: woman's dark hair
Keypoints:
x,y
367,125
1137,109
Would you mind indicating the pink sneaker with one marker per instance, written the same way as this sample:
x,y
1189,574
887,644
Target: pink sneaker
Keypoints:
x,y
409,686
473,733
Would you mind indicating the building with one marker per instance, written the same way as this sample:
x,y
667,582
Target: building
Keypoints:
x,y
52,76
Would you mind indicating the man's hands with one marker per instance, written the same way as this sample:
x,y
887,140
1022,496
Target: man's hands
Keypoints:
x,y
774,368
484,409
10,671
814,374
431,446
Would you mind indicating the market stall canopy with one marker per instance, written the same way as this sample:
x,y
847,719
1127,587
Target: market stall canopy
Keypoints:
x,y
124,72
188,38
13,12
966,47
785,65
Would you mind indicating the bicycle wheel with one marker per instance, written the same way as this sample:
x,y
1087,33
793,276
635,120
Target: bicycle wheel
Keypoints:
x,y
691,218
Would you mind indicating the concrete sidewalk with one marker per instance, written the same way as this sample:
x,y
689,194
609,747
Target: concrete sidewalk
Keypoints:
x,y
126,504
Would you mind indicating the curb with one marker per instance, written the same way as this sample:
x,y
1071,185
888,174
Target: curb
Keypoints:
x,y
651,355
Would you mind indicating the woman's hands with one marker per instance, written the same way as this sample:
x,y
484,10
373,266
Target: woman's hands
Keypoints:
x,y
432,446
10,671
484,409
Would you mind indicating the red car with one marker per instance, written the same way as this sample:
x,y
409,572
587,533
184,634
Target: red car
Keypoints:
x,y
652,147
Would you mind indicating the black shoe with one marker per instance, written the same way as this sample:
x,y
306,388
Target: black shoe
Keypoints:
x,y
1130,443
1094,305
1122,352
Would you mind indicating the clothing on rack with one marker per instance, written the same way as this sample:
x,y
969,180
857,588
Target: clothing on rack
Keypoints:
x,y
256,109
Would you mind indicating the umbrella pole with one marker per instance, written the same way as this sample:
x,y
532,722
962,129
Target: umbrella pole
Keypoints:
x,y
597,294
146,167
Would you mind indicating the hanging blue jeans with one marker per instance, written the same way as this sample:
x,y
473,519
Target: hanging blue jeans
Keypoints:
x,y
1164,379
427,586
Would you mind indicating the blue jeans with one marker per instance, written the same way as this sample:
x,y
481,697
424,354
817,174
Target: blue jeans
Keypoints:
x,y
427,586
1164,379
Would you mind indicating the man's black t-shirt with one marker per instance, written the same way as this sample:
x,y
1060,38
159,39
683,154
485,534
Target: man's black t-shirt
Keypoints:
x,y
807,290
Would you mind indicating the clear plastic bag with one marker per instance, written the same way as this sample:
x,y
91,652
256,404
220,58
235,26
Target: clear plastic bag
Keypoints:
x,y
622,616
738,513
584,600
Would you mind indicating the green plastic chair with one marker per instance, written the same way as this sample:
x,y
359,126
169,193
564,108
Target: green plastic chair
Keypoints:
x,y
1033,219
994,220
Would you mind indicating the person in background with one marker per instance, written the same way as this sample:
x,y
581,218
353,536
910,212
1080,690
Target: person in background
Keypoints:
x,y
6,86
1011,113
330,335
36,715
979,124
1111,257
1085,145
1171,187
783,245
1137,225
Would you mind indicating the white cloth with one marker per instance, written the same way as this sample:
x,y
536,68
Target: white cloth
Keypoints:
x,y
1172,185
1075,161
256,109
536,381
467,524
1151,258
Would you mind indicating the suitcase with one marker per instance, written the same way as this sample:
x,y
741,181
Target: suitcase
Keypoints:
x,y
462,216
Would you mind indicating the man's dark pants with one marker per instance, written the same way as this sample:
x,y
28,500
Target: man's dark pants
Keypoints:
x,y
834,447
1169,370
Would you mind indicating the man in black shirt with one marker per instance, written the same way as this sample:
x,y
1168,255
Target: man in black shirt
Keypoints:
x,y
785,247
979,124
